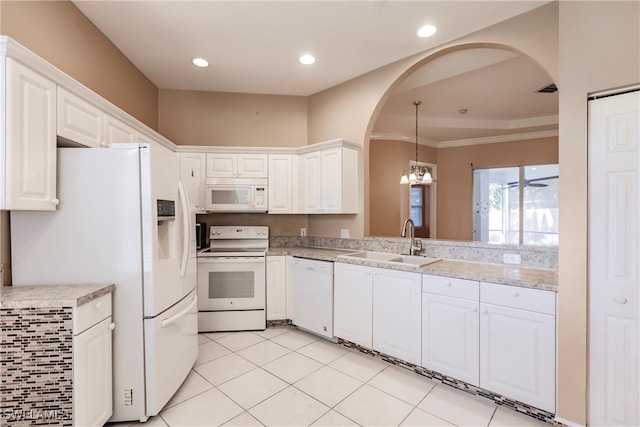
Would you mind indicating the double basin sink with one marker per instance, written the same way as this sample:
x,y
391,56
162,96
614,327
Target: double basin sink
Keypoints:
x,y
392,259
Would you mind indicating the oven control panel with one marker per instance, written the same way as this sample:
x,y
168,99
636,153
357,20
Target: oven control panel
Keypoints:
x,y
239,233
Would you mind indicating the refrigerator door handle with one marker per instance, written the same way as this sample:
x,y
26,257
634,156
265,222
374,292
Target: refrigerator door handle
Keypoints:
x,y
178,316
186,228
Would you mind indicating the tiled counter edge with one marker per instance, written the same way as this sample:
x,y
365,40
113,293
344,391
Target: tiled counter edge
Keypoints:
x,y
36,352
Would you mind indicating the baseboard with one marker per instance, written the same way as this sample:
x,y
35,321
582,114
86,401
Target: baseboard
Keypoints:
x,y
568,423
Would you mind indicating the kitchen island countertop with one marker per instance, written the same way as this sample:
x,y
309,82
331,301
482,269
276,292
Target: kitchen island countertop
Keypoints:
x,y
44,296
505,274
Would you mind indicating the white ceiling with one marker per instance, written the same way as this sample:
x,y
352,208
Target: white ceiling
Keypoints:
x,y
253,47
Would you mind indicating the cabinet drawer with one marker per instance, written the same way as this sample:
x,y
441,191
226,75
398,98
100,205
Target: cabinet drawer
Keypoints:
x,y
451,287
91,313
535,300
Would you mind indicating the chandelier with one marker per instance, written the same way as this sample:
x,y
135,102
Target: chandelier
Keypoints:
x,y
417,174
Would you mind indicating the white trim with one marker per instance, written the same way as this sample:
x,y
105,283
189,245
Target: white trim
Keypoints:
x,y
499,138
568,422
405,138
334,143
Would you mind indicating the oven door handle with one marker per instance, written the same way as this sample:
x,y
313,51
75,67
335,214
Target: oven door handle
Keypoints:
x,y
173,319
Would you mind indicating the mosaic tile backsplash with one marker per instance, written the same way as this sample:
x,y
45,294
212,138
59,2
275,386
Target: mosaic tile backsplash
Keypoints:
x,y
36,376
531,256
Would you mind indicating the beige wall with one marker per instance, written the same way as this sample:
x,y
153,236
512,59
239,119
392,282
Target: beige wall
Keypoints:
x,y
214,118
387,160
350,110
59,33
279,225
599,49
455,177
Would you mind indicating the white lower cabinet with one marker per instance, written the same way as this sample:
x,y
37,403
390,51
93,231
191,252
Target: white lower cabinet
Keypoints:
x,y
310,295
517,344
276,288
353,304
92,363
451,327
397,314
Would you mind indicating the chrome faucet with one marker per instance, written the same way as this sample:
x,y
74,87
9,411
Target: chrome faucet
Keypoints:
x,y
416,245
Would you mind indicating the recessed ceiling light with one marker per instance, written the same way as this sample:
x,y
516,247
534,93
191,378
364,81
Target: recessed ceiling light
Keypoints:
x,y
307,59
427,31
463,111
200,62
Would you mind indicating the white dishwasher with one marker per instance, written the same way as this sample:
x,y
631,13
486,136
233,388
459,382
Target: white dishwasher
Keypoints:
x,y
310,295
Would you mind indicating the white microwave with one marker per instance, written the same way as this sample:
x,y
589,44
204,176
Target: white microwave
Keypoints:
x,y
236,195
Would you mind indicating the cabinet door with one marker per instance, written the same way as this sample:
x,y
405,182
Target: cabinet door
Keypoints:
x,y
92,375
30,140
192,176
397,310
331,180
451,337
221,165
115,131
276,288
78,120
312,187
517,355
252,165
280,183
353,304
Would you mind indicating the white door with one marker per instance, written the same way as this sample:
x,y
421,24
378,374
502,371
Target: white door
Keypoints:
x,y
451,337
78,120
353,304
92,375
222,165
252,165
276,288
331,185
31,140
171,348
517,355
397,308
192,176
311,177
614,237
280,183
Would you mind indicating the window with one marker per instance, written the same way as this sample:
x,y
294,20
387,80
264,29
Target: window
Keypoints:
x,y
516,205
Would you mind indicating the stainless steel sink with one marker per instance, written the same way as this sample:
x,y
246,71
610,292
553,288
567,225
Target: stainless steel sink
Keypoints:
x,y
393,259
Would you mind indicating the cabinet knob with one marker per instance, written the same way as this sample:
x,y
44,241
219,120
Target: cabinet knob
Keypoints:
x,y
448,285
485,311
620,300
112,326
474,309
98,305
515,294
55,202
104,144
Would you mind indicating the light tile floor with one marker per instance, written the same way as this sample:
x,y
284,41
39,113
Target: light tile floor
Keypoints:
x,y
286,377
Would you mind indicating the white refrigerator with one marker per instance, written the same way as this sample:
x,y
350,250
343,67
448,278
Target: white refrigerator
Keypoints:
x,y
123,218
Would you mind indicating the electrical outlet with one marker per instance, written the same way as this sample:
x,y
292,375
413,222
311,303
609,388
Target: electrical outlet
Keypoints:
x,y
511,258
303,232
344,233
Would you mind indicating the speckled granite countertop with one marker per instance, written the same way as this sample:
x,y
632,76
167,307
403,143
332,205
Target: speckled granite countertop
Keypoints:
x,y
44,296
537,278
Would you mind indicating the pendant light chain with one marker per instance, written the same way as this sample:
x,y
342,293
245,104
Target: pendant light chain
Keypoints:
x,y
417,103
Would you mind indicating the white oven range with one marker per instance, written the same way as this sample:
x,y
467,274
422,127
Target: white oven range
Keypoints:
x,y
232,279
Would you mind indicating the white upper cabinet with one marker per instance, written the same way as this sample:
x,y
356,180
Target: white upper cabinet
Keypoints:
x,y
78,120
233,165
28,143
284,185
81,122
192,176
330,180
